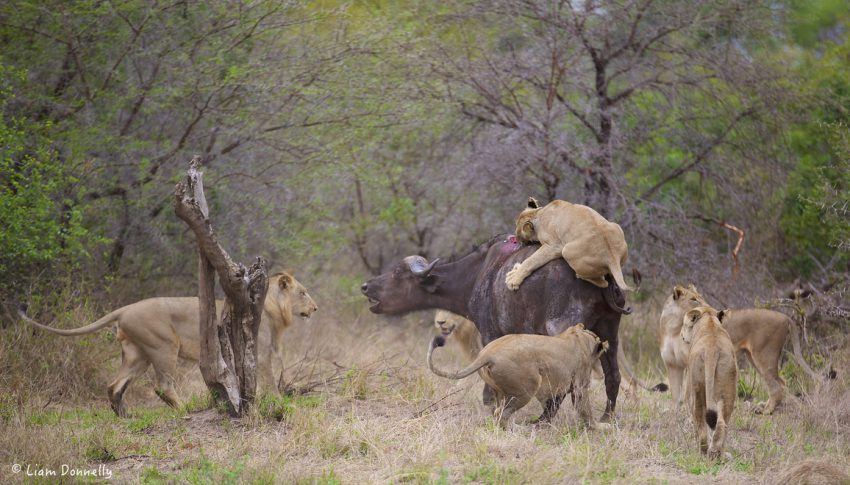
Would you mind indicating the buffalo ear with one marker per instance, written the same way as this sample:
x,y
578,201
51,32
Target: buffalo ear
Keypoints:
x,y
636,276
429,284
532,203
285,281
677,292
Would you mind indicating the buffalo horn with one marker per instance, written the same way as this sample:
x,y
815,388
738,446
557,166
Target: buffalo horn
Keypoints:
x,y
420,266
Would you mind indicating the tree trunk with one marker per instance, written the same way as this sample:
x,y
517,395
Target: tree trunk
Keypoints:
x,y
228,354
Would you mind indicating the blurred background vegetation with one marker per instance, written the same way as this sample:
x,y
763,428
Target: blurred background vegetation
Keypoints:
x,y
339,136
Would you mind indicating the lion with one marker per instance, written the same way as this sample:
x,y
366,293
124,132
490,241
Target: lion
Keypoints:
x,y
461,331
712,377
519,367
760,334
455,328
813,472
591,245
160,330
674,351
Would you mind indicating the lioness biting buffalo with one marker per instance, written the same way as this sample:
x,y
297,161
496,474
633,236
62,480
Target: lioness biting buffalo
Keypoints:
x,y
159,331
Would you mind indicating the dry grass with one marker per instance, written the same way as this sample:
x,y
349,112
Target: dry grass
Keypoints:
x,y
375,414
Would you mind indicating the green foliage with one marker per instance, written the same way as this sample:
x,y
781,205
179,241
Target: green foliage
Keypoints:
x,y
39,226
820,180
278,407
815,218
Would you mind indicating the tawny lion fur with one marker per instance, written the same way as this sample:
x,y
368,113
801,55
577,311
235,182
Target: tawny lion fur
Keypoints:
x,y
466,339
712,377
591,245
461,331
812,472
520,367
158,331
759,333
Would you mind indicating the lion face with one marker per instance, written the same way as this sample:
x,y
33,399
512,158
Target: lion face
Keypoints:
x,y
445,322
683,299
299,300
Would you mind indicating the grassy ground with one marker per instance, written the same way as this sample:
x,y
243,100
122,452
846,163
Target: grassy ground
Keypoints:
x,y
374,413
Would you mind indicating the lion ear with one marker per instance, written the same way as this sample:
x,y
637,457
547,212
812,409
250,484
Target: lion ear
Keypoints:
x,y
528,227
677,292
285,281
693,288
693,315
722,314
532,203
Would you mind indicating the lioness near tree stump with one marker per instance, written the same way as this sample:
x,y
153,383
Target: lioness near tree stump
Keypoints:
x,y
160,331
228,347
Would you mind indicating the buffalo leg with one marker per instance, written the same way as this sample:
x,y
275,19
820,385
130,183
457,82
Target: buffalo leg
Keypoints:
x,y
612,379
550,409
487,396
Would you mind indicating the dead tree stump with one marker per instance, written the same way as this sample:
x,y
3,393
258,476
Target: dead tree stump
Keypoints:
x,y
228,355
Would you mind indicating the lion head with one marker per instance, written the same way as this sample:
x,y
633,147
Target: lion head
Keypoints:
x,y
683,299
697,316
525,222
287,297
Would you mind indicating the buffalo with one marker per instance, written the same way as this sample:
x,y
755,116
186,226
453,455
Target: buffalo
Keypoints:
x,y
473,285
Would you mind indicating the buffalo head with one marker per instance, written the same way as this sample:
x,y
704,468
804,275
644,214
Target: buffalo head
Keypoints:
x,y
406,287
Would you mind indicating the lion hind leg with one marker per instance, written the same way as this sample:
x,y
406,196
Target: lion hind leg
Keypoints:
x,y
510,405
698,414
574,254
165,365
133,364
768,368
718,438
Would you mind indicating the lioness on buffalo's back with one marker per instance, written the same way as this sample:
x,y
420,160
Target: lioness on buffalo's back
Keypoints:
x,y
594,247
158,331
551,300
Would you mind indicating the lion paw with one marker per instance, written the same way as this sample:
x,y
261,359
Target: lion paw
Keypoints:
x,y
601,426
514,278
763,408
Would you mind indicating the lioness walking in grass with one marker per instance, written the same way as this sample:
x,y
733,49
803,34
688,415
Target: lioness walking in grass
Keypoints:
x,y
520,367
713,377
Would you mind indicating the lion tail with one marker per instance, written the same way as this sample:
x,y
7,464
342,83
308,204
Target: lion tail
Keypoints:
x,y
93,327
626,367
794,328
710,364
617,274
478,363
